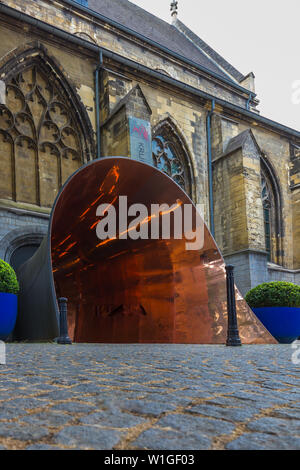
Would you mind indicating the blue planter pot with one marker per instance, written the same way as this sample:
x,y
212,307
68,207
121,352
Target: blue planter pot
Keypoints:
x,y
8,314
282,322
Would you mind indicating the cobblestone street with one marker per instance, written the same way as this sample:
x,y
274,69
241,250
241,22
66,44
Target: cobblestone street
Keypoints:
x,y
156,397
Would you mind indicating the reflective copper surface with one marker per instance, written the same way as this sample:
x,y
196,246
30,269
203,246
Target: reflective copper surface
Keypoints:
x,y
138,290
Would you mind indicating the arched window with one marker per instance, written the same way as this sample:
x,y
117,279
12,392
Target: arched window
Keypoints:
x,y
271,200
170,156
267,208
41,134
20,244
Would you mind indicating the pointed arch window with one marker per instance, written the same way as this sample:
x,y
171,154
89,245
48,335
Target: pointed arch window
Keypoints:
x,y
41,139
272,211
170,156
267,206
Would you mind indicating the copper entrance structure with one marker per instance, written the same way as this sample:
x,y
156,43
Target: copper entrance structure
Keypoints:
x,y
124,290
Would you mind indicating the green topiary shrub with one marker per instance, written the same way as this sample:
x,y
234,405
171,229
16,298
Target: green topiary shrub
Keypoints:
x,y
8,279
274,294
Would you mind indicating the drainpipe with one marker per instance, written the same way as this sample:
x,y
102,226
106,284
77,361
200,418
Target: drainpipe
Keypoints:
x,y
210,178
97,101
248,102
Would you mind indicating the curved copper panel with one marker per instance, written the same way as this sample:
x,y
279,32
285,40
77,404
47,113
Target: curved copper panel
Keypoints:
x,y
137,290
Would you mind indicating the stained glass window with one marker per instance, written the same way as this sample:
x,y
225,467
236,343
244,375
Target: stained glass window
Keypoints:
x,y
167,158
40,137
267,206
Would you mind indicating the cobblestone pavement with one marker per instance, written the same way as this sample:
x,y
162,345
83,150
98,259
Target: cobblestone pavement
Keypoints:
x,y
171,397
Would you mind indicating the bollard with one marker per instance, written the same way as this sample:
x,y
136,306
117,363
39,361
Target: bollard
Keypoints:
x,y
233,337
63,322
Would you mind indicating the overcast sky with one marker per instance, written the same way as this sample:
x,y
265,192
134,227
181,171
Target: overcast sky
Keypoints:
x,y
262,36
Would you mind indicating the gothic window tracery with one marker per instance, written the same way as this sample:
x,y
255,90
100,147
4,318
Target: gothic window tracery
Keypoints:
x,y
170,157
272,213
40,142
267,206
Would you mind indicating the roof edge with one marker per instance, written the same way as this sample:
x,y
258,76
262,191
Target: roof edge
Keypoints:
x,y
209,51
18,15
130,31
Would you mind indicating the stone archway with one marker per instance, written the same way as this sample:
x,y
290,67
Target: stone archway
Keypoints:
x,y
21,237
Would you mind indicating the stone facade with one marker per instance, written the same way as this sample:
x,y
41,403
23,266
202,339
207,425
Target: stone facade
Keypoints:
x,y
49,128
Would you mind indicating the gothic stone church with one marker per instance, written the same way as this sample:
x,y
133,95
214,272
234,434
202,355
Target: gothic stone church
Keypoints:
x,y
73,74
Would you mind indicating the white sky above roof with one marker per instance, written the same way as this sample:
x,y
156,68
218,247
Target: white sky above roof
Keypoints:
x,y
261,36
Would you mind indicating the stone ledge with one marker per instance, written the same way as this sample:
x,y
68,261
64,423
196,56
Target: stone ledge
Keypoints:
x,y
24,210
276,267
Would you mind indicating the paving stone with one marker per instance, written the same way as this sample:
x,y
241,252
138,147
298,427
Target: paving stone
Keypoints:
x,y
259,441
26,403
87,437
10,413
276,426
149,408
46,419
225,400
88,388
289,398
287,413
42,447
64,381
171,399
257,400
156,439
112,419
194,393
20,394
58,395
194,424
74,407
229,414
22,433
44,388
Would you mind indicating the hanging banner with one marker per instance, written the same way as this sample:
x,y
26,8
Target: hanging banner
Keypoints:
x,y
140,140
